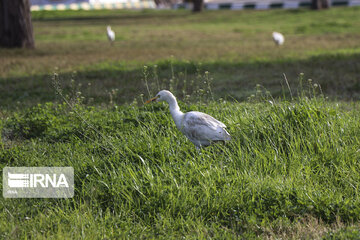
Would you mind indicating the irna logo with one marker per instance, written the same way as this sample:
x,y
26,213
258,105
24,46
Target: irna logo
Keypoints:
x,y
38,182
16,180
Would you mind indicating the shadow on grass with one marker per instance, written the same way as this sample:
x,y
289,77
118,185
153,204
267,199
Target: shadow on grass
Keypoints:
x,y
338,76
82,15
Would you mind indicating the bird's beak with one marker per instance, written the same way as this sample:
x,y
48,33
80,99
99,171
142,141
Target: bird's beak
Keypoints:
x,y
151,100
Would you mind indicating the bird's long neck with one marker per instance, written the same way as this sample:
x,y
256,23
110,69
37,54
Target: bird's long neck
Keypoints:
x,y
176,114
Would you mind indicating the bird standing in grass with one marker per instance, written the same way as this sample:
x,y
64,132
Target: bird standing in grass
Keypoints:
x,y
201,129
110,34
278,38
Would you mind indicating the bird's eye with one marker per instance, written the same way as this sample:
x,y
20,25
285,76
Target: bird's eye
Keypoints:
x,y
158,96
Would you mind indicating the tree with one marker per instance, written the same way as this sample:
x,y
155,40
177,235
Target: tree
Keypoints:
x,y
320,4
15,24
198,5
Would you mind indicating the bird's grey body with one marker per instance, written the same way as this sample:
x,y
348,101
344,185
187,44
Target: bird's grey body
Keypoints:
x,y
200,128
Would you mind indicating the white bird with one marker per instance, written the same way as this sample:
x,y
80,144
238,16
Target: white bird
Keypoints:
x,y
201,129
110,34
278,38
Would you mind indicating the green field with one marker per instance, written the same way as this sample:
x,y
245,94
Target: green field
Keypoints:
x,y
291,170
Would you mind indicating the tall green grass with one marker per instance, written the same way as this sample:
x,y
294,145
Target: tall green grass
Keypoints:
x,y
293,164
291,170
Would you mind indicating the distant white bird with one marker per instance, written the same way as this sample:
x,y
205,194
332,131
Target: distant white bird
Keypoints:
x,y
278,38
110,34
201,129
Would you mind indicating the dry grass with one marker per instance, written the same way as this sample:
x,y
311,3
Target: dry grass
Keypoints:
x,y
307,227
68,43
235,47
155,46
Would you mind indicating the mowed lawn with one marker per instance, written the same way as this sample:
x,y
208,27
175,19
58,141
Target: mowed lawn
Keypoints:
x,y
291,170
234,46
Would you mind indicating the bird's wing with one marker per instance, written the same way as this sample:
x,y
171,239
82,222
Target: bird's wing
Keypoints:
x,y
200,126
111,35
278,36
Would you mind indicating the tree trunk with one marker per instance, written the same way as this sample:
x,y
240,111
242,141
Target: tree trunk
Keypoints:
x,y
15,24
198,5
320,4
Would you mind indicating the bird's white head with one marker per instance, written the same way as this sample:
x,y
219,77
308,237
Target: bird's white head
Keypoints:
x,y
163,95
108,28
